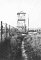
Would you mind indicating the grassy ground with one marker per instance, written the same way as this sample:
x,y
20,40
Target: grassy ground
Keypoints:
x,y
32,45
9,48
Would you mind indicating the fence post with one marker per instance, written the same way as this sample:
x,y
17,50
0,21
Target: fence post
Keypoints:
x,y
9,30
6,30
1,30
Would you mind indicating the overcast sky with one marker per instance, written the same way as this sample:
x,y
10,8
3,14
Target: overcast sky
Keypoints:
x,y
9,9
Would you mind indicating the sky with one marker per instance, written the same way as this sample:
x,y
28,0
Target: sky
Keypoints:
x,y
10,8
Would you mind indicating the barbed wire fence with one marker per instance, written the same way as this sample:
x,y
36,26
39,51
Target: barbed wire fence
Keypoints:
x,y
5,30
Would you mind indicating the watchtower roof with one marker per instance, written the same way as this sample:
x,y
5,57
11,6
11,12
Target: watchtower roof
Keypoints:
x,y
21,12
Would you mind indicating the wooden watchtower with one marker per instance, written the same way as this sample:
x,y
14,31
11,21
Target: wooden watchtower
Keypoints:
x,y
21,21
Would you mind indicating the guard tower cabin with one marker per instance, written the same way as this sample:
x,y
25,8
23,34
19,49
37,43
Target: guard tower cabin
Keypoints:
x,y
21,21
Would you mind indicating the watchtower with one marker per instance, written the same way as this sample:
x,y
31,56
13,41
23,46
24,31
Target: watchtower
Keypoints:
x,y
21,21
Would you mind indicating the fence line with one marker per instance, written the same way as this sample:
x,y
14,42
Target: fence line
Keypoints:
x,y
5,30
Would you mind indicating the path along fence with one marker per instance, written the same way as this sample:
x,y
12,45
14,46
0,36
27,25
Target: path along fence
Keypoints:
x,y
5,30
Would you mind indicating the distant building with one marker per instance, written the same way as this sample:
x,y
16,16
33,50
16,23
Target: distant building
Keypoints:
x,y
21,21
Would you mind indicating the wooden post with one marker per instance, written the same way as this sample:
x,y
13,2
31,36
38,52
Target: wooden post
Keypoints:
x,y
28,23
6,30
1,30
9,30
